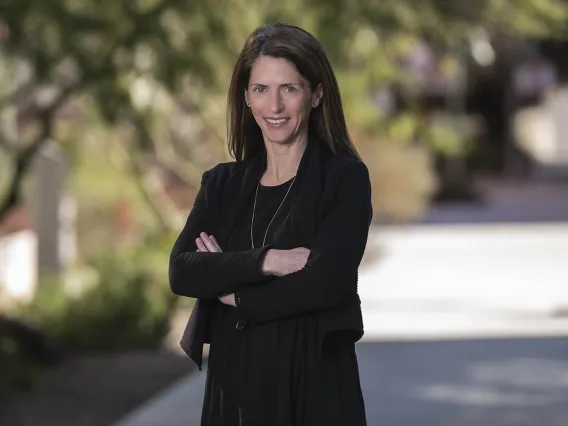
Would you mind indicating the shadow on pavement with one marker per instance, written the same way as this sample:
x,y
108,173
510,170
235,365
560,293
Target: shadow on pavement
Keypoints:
x,y
497,382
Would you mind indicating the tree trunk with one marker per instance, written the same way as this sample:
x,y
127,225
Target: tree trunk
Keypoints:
x,y
23,161
25,157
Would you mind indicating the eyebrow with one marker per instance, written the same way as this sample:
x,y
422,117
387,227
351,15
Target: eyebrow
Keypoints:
x,y
280,85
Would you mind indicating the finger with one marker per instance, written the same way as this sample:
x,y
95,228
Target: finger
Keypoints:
x,y
215,242
301,250
200,245
208,243
227,299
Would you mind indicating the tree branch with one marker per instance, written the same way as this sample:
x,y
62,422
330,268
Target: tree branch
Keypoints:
x,y
26,155
184,169
153,194
23,161
163,208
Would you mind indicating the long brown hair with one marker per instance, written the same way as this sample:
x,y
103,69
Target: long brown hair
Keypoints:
x,y
327,121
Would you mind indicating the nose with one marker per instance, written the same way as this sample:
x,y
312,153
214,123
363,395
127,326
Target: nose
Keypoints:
x,y
276,102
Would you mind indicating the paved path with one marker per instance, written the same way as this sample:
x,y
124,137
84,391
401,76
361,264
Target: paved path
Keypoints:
x,y
441,304
466,280
498,382
466,383
507,202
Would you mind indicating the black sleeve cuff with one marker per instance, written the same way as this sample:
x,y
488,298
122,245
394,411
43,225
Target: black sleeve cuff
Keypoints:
x,y
237,300
260,258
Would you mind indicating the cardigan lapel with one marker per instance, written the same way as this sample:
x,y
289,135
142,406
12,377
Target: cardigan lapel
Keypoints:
x,y
305,197
239,191
237,194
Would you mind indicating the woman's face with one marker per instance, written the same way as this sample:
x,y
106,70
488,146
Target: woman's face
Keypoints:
x,y
280,100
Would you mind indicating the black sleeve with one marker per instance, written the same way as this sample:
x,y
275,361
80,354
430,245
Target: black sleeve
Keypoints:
x,y
333,262
209,275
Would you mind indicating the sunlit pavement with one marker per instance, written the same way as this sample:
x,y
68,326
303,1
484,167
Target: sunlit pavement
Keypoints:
x,y
441,307
466,280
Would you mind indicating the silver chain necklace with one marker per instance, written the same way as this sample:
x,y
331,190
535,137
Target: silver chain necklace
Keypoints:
x,y
271,220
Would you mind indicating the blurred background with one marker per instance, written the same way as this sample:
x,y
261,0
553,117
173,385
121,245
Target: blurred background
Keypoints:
x,y
111,110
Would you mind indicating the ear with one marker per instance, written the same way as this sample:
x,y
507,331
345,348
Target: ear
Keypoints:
x,y
246,98
317,96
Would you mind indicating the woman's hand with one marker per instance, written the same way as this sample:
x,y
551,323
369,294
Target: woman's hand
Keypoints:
x,y
284,262
207,243
228,299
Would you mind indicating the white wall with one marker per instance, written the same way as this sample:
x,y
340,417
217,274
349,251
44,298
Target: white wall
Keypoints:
x,y
18,266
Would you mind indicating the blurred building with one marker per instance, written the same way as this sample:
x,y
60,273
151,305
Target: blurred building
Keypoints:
x,y
495,80
18,269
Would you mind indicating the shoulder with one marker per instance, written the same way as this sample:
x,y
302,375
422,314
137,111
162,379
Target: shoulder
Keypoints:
x,y
345,170
221,173
346,182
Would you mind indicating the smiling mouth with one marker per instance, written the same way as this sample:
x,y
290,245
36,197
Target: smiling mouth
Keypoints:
x,y
276,121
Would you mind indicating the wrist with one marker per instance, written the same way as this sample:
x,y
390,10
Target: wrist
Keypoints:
x,y
269,262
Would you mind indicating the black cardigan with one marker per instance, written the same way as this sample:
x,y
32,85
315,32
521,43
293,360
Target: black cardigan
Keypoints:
x,y
330,214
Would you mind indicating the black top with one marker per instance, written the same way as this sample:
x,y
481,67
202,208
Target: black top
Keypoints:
x,y
328,281
261,374
279,358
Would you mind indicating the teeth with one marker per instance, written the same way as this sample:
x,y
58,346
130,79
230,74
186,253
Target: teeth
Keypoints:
x,y
281,120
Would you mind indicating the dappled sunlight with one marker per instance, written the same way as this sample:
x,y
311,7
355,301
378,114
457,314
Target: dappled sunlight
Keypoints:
x,y
476,395
468,382
522,383
455,281
530,373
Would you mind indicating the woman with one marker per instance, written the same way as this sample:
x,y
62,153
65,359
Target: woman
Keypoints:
x,y
273,243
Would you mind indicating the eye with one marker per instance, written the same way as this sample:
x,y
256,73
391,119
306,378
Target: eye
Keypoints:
x,y
258,89
290,89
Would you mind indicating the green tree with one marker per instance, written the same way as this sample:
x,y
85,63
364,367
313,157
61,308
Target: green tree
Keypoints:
x,y
155,72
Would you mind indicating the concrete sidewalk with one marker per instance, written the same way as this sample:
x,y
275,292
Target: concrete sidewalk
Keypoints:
x,y
179,405
485,382
427,291
504,201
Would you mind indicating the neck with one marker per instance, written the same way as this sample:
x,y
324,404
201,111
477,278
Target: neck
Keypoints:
x,y
282,161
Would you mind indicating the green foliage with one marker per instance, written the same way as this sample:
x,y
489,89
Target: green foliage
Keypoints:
x,y
128,304
4,171
156,71
187,48
16,371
